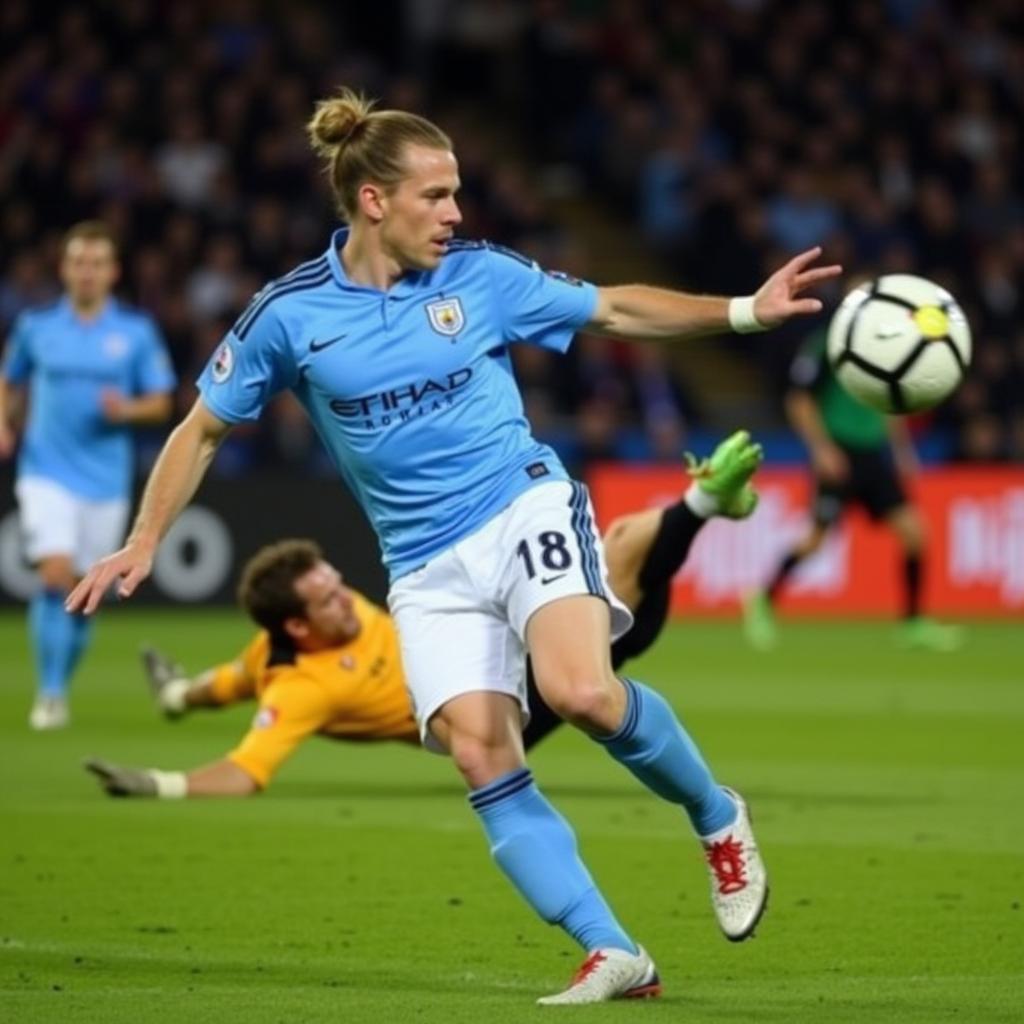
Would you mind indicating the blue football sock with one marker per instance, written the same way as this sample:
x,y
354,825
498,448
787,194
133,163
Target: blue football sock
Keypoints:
x,y
535,847
52,632
654,746
81,636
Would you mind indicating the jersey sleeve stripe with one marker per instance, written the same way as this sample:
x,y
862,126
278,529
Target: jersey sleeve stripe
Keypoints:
x,y
305,272
241,330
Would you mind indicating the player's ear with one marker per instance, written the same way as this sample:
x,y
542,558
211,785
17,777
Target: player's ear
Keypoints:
x,y
372,201
296,628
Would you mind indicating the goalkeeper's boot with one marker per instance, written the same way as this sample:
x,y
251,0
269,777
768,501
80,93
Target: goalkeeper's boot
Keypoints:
x,y
927,634
167,682
49,712
759,621
724,476
609,974
739,882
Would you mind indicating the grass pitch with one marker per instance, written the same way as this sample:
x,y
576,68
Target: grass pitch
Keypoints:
x,y
886,788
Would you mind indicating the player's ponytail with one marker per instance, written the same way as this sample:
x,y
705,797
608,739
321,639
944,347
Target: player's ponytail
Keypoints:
x,y
360,144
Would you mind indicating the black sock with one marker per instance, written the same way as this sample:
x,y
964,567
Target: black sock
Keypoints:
x,y
786,566
912,581
679,525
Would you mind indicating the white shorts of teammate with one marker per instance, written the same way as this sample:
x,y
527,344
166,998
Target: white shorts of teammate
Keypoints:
x,y
462,617
55,521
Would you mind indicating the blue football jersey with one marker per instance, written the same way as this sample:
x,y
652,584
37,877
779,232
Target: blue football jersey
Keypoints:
x,y
67,364
411,390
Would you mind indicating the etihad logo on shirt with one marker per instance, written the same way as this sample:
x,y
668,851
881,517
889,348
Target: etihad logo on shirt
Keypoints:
x,y
405,403
446,316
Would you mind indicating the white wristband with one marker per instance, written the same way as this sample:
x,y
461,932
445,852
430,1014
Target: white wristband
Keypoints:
x,y
170,785
741,316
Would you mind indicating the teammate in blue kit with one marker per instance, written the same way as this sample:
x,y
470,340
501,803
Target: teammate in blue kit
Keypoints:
x,y
396,342
93,369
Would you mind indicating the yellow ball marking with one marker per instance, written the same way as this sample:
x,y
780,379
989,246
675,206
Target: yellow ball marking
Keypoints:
x,y
932,322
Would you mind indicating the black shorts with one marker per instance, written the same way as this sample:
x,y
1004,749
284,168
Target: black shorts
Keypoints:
x,y
873,482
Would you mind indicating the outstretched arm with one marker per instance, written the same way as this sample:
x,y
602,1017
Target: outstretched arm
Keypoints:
x,y
641,312
177,473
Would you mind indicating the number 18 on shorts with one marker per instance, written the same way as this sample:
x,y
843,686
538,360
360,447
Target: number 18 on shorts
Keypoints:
x,y
462,617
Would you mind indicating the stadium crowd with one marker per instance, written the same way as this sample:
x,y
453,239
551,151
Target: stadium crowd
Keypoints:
x,y
724,133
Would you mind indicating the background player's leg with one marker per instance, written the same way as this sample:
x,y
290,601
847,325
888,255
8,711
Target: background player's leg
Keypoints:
x,y
918,629
52,633
758,613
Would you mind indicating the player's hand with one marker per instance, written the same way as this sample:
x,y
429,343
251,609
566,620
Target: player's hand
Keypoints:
x,y
167,681
830,463
127,567
114,406
119,781
778,298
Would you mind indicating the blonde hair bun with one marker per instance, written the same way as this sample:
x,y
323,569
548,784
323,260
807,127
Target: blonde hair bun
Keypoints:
x,y
335,119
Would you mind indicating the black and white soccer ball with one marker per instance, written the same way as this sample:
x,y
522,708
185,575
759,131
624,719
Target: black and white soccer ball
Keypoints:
x,y
899,343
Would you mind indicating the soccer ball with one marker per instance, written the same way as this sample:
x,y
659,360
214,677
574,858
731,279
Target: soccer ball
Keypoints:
x,y
899,344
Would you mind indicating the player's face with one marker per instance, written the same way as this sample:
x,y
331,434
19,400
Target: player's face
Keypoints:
x,y
330,617
88,269
420,213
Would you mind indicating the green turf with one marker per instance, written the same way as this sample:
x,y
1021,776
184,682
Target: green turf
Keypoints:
x,y
886,785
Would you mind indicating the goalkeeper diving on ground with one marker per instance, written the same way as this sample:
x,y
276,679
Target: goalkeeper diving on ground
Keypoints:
x,y
326,660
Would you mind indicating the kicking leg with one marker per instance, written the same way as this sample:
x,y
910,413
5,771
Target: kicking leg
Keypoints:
x,y
568,642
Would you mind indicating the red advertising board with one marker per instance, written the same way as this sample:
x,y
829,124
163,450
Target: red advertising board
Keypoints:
x,y
974,518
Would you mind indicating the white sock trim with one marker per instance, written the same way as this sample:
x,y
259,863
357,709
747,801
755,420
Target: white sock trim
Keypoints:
x,y
169,785
699,502
172,696
741,316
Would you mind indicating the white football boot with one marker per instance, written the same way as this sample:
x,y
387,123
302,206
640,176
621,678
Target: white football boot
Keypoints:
x,y
49,713
739,882
610,974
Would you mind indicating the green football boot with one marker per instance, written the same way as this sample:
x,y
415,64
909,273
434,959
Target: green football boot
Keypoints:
x,y
725,475
928,635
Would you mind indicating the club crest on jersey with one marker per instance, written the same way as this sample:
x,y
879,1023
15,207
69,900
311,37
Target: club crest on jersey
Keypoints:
x,y
223,363
265,718
446,316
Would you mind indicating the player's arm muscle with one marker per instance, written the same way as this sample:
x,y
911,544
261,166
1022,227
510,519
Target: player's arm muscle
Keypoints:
x,y
642,312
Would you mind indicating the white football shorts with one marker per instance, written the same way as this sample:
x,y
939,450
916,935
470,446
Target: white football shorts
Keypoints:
x,y
462,617
54,521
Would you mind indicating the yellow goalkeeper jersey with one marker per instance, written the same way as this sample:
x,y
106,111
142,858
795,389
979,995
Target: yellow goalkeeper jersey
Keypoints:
x,y
354,692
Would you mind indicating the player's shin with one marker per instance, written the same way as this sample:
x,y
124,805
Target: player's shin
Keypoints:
x,y
652,743
535,847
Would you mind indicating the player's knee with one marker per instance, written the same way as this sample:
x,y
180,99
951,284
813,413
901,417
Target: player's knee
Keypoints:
x,y
591,700
56,574
482,759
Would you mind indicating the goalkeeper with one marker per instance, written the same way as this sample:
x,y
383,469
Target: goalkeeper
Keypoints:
x,y
326,660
